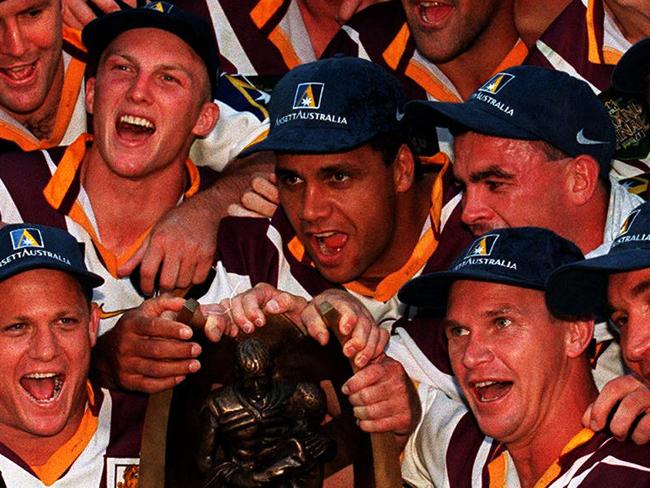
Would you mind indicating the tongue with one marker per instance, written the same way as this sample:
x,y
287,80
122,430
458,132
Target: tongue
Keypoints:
x,y
133,132
335,241
435,14
19,75
41,389
495,391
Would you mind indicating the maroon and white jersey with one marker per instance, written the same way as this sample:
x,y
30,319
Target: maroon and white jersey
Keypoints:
x,y
448,450
103,452
256,37
43,187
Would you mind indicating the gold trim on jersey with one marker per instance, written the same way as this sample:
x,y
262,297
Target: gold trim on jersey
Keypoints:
x,y
59,185
61,460
598,52
424,249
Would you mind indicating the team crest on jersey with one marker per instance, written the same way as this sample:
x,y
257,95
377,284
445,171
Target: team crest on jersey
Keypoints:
x,y
482,246
122,472
496,83
308,95
625,227
26,237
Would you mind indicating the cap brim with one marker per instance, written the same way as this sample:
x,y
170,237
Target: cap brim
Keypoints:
x,y
308,141
87,279
462,117
580,288
432,290
629,74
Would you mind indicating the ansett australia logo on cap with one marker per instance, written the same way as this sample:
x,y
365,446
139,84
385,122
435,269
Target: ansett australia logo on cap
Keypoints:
x,y
496,83
493,86
479,252
27,237
483,246
308,95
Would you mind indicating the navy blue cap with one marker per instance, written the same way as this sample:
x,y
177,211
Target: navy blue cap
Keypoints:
x,y
30,246
332,105
518,256
630,73
192,29
531,103
581,288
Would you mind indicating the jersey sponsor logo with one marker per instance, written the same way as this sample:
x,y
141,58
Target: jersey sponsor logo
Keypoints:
x,y
495,84
308,95
482,246
585,141
122,472
26,237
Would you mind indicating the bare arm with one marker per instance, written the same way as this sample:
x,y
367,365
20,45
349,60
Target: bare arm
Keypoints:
x,y
181,246
77,13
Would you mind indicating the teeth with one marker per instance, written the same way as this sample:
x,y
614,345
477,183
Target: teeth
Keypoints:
x,y
139,121
483,384
323,235
39,376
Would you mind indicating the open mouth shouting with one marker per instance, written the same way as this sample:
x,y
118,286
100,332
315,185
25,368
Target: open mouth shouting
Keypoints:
x,y
43,388
490,391
134,128
19,74
433,13
330,243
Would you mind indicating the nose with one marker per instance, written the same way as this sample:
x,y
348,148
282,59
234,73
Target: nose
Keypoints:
x,y
140,89
474,209
636,341
44,344
315,204
477,351
12,39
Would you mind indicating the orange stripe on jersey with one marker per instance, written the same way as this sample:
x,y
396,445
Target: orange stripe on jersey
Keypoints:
x,y
432,85
282,42
424,249
69,94
515,57
498,471
263,11
555,469
594,50
59,185
8,132
611,56
296,248
395,50
73,36
64,456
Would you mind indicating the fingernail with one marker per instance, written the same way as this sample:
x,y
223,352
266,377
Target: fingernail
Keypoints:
x,y
186,333
593,426
322,337
259,322
196,350
194,366
248,327
273,306
178,379
360,360
345,389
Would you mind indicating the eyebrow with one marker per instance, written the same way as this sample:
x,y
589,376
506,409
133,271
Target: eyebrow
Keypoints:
x,y
490,172
636,290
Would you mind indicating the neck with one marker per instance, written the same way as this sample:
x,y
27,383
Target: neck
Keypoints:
x,y
41,121
533,17
534,454
142,200
320,21
593,215
413,209
474,67
633,22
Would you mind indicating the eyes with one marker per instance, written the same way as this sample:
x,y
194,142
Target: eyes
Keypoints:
x,y
335,178
498,323
619,319
65,323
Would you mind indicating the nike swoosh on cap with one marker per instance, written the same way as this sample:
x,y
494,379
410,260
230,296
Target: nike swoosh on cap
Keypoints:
x,y
399,115
580,137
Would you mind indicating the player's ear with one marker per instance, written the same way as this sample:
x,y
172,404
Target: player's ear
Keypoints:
x,y
90,94
403,169
579,335
208,117
93,324
582,178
